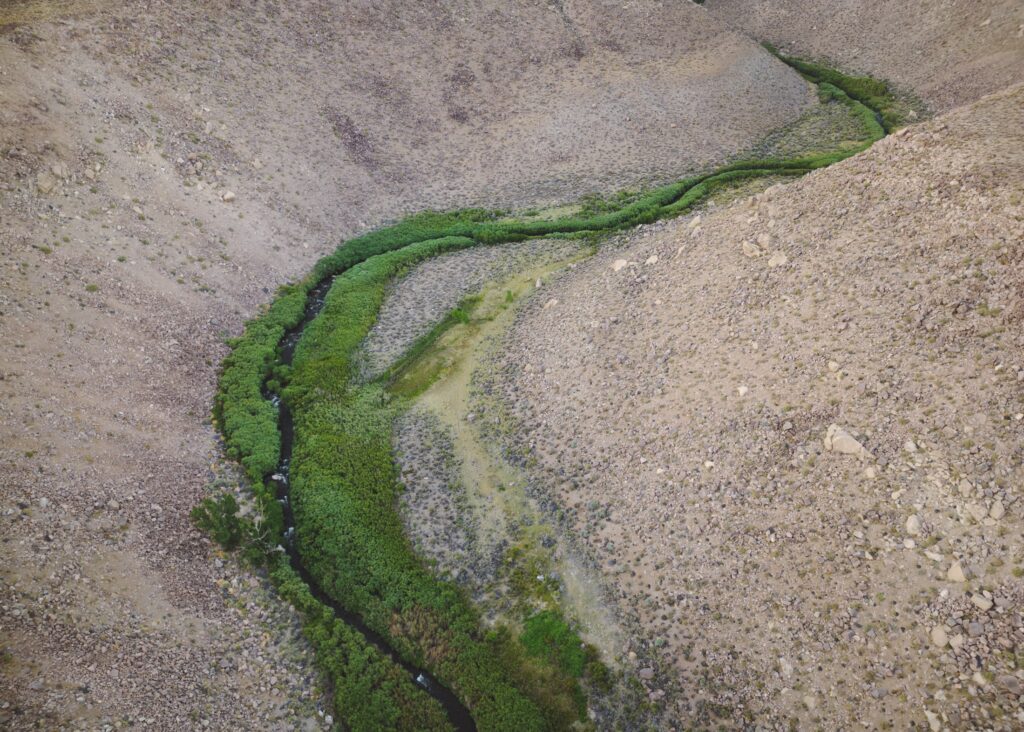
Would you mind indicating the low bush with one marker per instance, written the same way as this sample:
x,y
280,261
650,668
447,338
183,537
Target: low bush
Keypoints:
x,y
219,518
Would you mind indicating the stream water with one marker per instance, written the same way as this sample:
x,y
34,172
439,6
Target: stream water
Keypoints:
x,y
457,713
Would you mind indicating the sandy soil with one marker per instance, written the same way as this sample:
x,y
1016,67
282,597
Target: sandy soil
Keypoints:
x,y
947,53
790,429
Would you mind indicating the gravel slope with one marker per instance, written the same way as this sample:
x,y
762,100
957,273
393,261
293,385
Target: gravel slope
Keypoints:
x,y
790,429
947,53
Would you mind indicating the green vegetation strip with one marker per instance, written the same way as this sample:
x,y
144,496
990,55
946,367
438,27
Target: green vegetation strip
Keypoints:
x,y
343,480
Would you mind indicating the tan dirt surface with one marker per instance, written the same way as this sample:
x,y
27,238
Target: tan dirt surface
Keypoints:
x,y
791,431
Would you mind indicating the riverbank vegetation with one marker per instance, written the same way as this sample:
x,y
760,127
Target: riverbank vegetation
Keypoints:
x,y
343,483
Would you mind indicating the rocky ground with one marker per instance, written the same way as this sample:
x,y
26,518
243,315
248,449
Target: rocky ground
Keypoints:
x,y
421,298
437,520
790,430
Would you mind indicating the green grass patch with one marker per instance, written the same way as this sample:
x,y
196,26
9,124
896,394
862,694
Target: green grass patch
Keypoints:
x,y
872,93
547,635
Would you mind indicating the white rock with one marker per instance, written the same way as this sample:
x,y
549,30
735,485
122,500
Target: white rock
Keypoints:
x,y
619,264
833,366
653,259
839,440
45,182
933,720
982,602
997,511
227,196
913,525
909,543
551,303
910,446
955,573
742,390
977,511
694,222
939,636
751,250
777,259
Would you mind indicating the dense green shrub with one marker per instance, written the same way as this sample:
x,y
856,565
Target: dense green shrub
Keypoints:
x,y
873,93
219,518
547,635
371,692
344,489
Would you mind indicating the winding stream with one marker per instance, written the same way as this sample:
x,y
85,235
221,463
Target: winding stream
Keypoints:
x,y
457,713
681,198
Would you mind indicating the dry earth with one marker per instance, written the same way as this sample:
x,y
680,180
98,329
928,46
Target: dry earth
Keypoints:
x,y
680,399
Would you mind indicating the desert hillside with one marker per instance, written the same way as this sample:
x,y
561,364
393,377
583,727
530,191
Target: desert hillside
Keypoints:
x,y
947,53
756,465
790,428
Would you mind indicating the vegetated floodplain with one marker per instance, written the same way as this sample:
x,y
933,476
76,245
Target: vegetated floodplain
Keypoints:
x,y
343,482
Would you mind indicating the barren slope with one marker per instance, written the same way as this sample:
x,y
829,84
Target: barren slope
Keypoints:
x,y
123,128
678,394
948,53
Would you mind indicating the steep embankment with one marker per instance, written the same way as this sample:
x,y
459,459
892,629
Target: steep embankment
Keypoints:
x,y
679,397
163,166
948,53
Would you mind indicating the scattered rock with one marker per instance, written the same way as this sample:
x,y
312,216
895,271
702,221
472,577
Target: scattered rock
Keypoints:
x,y
955,573
981,602
997,511
839,440
45,182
